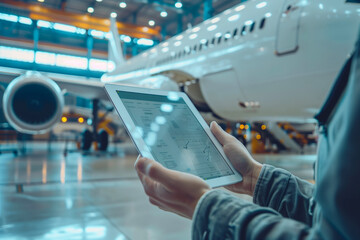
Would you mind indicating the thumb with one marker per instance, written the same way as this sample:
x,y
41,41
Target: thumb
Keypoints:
x,y
155,171
222,136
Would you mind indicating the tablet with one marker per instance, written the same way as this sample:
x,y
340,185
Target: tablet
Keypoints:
x,y
166,126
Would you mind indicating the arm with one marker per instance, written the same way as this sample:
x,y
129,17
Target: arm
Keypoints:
x,y
223,216
285,193
269,186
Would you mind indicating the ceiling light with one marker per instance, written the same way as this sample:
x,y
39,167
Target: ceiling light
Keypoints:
x,y
41,0
261,5
239,8
99,0
163,14
122,4
178,4
151,22
90,9
215,20
113,14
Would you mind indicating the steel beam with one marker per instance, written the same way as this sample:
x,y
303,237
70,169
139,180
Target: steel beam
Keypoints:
x,y
38,12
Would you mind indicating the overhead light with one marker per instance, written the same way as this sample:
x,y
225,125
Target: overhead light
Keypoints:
x,y
196,29
122,4
239,8
178,4
215,20
99,0
152,23
193,36
163,13
234,18
90,9
145,42
113,14
41,0
126,38
212,27
261,5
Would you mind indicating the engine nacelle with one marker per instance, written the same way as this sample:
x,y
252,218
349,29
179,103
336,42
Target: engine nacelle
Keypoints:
x,y
33,103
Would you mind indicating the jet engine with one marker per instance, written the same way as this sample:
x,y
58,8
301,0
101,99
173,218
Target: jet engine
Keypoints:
x,y
33,103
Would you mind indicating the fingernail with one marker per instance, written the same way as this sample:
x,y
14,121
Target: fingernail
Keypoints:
x,y
147,168
137,159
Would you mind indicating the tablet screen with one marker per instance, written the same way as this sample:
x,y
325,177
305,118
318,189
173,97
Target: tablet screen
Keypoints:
x,y
173,134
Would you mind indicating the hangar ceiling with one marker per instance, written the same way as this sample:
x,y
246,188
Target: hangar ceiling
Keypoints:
x,y
139,12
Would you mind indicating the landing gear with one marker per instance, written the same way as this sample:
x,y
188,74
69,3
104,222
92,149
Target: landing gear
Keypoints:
x,y
103,139
87,138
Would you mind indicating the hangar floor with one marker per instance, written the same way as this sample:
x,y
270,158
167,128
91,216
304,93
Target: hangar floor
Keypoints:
x,y
44,195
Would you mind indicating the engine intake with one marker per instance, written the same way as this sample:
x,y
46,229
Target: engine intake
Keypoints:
x,y
33,103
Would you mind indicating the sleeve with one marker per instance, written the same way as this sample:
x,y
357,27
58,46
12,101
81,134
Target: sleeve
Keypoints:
x,y
221,216
285,193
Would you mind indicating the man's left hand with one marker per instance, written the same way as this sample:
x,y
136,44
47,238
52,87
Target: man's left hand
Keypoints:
x,y
170,190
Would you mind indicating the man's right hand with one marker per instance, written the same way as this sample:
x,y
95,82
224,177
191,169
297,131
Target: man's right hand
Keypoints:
x,y
240,158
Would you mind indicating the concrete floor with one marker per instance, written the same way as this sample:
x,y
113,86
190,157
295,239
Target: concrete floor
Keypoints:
x,y
44,195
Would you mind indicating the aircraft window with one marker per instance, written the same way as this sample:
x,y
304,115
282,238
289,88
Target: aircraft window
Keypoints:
x,y
262,23
235,32
252,27
243,31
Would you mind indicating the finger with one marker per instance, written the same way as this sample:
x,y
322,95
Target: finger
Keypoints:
x,y
156,190
156,172
222,136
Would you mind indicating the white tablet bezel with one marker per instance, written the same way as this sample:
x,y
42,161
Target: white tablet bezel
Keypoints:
x,y
139,141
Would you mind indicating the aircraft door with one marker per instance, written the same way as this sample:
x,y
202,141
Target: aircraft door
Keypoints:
x,y
288,27
222,93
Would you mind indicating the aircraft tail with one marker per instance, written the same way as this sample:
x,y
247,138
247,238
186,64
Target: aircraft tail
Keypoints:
x,y
115,50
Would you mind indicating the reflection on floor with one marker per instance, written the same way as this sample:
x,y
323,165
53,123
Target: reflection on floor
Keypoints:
x,y
92,197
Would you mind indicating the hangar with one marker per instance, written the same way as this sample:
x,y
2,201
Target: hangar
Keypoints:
x,y
260,69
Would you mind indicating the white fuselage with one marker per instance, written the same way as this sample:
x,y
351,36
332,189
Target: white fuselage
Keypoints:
x,y
280,71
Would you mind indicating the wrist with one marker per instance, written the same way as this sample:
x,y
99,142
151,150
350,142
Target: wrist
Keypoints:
x,y
255,177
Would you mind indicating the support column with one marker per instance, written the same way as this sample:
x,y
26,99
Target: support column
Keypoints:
x,y
180,23
208,9
89,45
163,32
36,40
95,111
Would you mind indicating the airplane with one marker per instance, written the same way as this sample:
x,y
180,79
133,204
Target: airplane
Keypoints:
x,y
260,60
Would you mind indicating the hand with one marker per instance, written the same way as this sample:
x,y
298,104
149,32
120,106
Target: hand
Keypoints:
x,y
240,158
170,190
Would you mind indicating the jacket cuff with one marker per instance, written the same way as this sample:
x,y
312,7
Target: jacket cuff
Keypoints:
x,y
206,221
272,181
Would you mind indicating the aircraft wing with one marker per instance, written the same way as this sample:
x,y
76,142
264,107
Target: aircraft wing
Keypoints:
x,y
90,88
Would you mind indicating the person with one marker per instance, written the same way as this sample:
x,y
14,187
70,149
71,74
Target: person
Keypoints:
x,y
284,206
